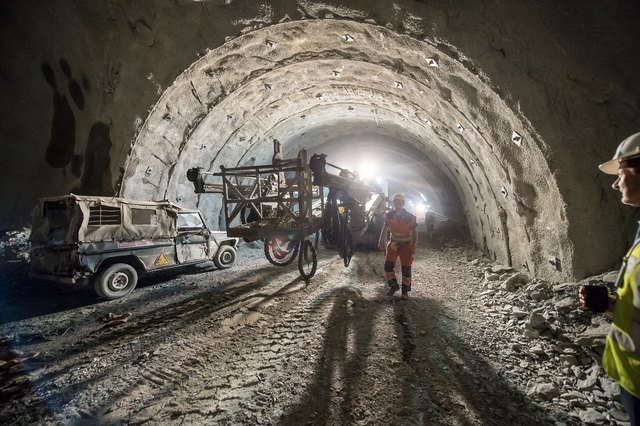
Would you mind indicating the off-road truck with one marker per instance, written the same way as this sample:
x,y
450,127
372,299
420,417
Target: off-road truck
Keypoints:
x,y
112,241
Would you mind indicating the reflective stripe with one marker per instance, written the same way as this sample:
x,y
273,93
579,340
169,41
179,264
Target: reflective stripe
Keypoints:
x,y
621,358
628,341
636,291
631,263
397,239
625,329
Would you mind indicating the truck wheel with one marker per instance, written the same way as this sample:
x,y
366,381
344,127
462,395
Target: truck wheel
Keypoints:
x,y
225,257
116,281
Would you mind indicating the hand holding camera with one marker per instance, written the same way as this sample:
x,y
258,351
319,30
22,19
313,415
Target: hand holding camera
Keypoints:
x,y
594,297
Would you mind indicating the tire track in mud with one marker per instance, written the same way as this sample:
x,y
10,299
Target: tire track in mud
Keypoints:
x,y
83,363
230,372
265,347
448,382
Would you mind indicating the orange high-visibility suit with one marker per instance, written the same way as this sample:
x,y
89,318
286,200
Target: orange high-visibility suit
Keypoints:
x,y
402,229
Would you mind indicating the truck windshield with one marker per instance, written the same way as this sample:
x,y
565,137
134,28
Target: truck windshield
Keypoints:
x,y
189,220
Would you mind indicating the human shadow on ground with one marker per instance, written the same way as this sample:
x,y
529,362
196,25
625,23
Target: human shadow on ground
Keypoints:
x,y
167,317
434,377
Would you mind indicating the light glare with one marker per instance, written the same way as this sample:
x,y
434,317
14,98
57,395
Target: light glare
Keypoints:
x,y
367,170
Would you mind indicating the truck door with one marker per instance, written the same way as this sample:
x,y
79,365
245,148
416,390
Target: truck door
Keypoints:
x,y
192,241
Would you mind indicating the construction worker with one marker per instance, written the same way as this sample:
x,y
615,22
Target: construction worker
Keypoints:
x,y
399,237
621,358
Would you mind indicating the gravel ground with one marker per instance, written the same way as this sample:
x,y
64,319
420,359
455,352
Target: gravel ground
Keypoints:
x,y
255,344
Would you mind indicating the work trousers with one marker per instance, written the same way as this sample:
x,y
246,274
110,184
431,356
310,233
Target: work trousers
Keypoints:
x,y
404,251
631,406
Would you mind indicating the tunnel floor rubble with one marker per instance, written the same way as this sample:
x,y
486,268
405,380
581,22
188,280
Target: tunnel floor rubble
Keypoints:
x,y
256,345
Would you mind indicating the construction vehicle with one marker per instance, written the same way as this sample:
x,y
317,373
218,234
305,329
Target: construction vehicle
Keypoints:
x,y
283,203
111,241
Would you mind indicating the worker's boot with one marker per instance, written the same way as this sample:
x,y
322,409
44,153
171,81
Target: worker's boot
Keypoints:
x,y
406,288
393,286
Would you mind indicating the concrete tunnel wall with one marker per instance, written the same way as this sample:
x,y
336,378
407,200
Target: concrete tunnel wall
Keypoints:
x,y
225,107
561,76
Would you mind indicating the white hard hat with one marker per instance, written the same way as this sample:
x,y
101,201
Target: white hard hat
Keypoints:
x,y
628,148
398,196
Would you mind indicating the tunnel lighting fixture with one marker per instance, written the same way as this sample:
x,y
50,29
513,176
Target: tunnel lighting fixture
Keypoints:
x,y
367,170
504,192
348,38
397,84
432,62
516,138
419,209
460,127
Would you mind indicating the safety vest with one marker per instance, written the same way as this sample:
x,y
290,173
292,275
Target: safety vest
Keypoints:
x,y
621,358
400,225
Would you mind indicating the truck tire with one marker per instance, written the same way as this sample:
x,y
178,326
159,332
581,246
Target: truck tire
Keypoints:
x,y
116,281
225,257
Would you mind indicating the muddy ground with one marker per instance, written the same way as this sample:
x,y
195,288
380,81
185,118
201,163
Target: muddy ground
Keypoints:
x,y
257,345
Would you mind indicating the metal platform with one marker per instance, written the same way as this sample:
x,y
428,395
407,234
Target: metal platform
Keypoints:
x,y
269,201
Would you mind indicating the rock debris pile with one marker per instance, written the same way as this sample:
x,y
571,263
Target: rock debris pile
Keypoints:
x,y
545,343
14,245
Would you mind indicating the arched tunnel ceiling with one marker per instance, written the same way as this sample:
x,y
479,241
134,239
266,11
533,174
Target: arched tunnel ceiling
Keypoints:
x,y
289,80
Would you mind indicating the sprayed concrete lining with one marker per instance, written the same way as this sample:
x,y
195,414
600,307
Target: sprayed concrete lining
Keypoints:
x,y
561,75
228,104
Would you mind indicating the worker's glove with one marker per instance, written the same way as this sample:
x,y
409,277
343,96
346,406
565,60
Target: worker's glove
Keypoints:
x,y
392,245
594,297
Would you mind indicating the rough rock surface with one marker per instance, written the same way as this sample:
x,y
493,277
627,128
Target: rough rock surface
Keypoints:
x,y
553,90
256,345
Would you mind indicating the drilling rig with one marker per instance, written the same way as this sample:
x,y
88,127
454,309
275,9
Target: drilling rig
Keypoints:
x,y
283,203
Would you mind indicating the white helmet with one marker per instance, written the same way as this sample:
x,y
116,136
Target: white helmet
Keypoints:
x,y
628,148
398,196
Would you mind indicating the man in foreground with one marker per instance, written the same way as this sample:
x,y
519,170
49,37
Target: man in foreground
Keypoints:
x,y
621,359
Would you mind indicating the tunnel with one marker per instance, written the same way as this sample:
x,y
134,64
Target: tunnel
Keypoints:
x,y
355,80
495,114
501,112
